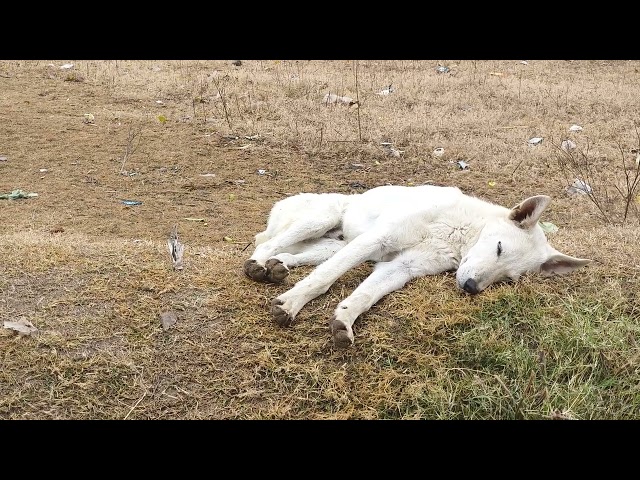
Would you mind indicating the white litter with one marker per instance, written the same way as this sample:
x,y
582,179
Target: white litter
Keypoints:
x,y
535,140
575,128
438,152
567,145
386,91
22,326
391,150
579,187
66,66
332,98
548,227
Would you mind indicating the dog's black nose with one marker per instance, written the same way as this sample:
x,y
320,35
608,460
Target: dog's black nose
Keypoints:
x,y
470,286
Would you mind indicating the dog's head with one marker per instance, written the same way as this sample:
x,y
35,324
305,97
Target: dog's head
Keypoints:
x,y
512,246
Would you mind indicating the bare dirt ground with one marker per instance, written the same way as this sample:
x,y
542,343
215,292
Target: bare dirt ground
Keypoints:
x,y
93,274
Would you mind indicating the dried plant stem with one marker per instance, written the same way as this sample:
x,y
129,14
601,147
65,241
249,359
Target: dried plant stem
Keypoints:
x,y
580,166
224,102
135,405
355,69
131,145
631,183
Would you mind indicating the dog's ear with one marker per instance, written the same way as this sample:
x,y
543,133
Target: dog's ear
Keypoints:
x,y
527,213
561,264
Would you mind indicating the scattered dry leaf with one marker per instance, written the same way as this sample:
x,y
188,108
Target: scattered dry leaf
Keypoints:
x,y
176,249
558,415
168,319
22,326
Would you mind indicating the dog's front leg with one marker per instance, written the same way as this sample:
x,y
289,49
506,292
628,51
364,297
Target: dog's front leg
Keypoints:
x,y
385,278
285,307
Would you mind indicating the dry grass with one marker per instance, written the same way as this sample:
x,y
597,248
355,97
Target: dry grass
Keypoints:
x,y
93,275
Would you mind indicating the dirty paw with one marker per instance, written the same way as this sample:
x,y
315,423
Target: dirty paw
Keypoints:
x,y
254,270
280,315
276,270
342,336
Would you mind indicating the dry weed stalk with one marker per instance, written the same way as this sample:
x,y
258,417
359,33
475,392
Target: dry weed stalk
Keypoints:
x,y
355,71
223,100
133,142
200,98
577,165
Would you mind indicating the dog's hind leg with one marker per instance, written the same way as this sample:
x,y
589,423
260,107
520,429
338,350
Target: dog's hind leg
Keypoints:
x,y
263,265
310,252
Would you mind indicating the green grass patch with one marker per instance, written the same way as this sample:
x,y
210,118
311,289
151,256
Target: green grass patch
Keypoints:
x,y
531,356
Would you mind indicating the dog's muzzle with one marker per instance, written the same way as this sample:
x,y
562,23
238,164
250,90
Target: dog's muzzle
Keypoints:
x,y
470,286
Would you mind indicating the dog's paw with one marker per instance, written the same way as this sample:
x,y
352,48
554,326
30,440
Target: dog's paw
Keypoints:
x,y
255,271
280,315
276,270
342,335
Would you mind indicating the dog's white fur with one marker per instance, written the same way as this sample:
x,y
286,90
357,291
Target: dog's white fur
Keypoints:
x,y
410,232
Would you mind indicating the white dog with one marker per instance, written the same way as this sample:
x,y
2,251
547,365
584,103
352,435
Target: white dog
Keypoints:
x,y
409,232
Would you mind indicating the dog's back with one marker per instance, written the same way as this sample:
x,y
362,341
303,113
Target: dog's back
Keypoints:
x,y
388,203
